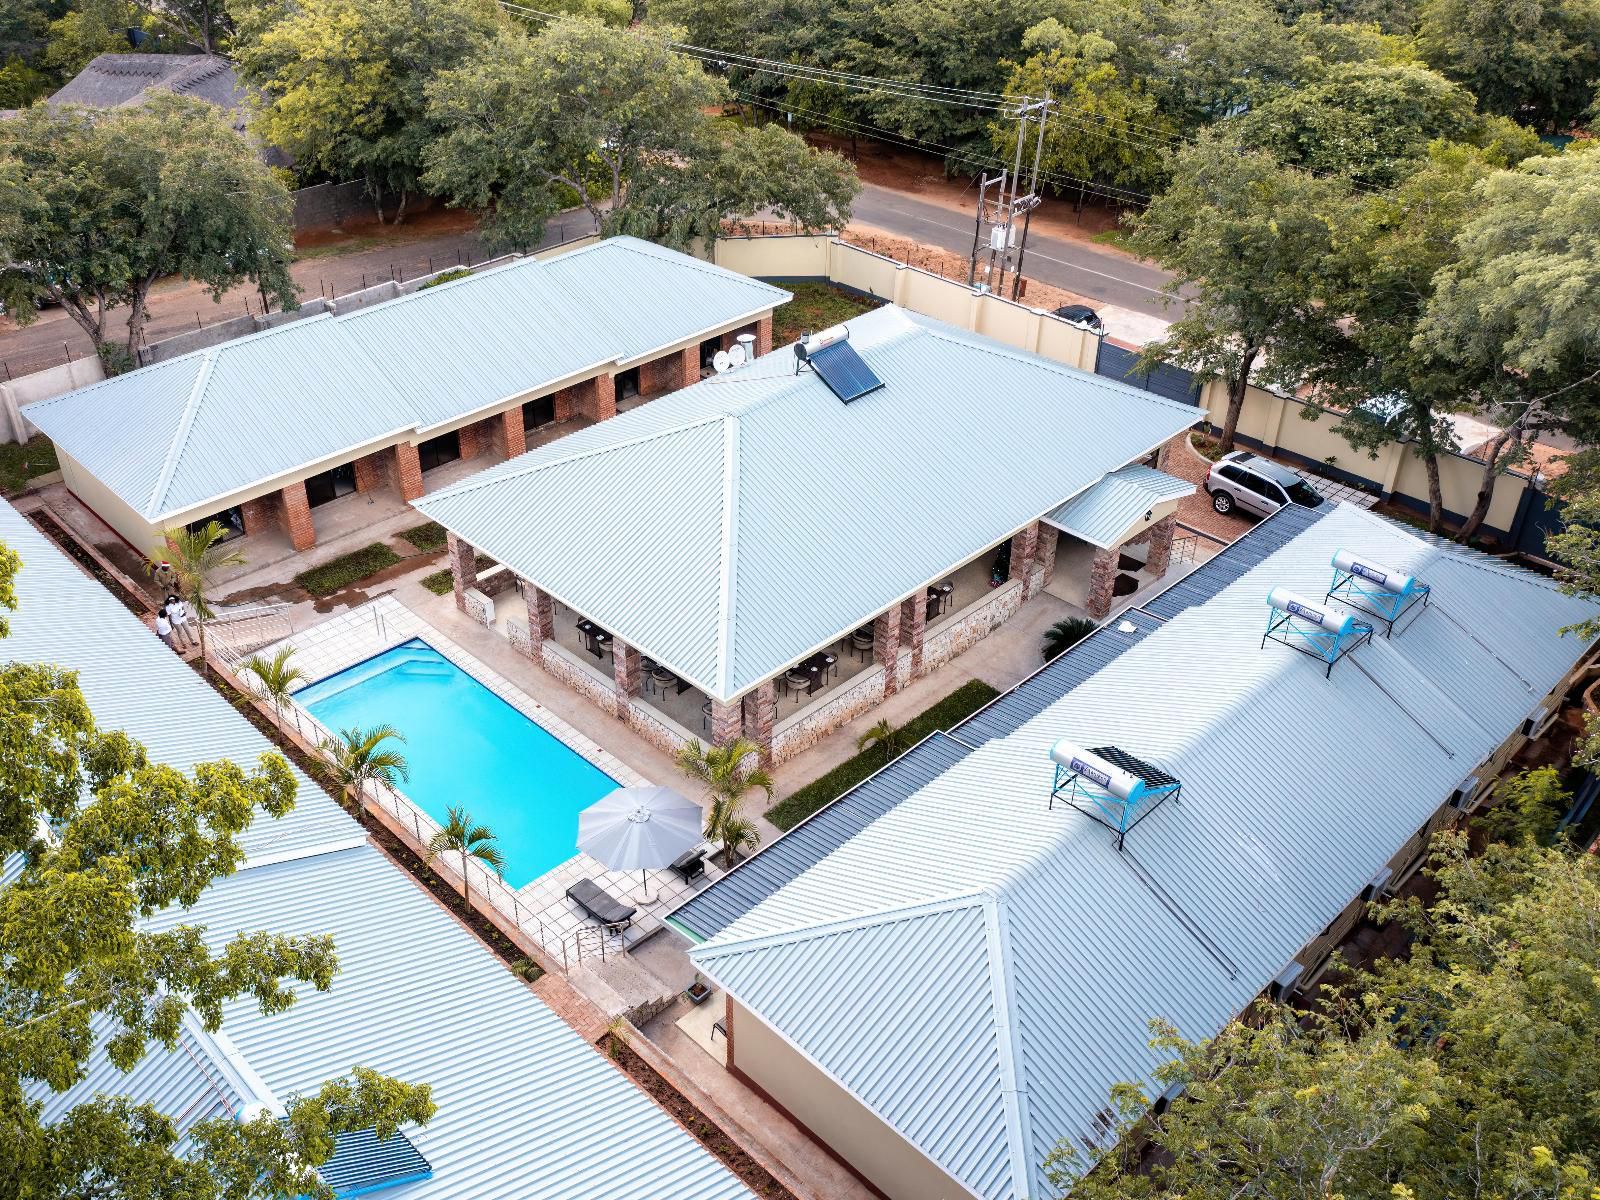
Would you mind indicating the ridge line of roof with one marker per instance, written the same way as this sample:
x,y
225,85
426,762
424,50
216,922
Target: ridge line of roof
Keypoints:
x,y
1013,1088
636,245
978,895
725,558
180,436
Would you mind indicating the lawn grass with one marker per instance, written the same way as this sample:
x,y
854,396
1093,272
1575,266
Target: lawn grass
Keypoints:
x,y
341,572
21,463
438,583
816,306
1117,237
959,704
425,537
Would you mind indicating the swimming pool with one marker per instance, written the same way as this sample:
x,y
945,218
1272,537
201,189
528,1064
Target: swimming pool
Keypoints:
x,y
467,747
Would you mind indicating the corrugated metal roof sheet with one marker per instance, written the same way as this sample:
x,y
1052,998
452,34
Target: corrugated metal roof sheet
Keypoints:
x,y
758,561
1216,573
174,435
532,1112
1102,513
1278,827
363,1162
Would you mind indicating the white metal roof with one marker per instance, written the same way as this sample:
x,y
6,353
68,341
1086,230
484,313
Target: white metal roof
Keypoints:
x,y
177,434
1296,790
527,1109
1102,513
731,528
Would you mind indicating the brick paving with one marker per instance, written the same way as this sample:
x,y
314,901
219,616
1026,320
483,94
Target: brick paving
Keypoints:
x,y
1195,511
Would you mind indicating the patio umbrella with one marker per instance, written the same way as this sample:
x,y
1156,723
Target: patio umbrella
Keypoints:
x,y
639,829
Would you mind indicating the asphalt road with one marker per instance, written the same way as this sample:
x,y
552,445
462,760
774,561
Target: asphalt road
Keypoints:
x,y
1077,266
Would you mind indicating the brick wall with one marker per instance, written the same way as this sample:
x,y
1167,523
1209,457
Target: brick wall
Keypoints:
x,y
510,437
477,438
264,512
373,471
296,509
408,470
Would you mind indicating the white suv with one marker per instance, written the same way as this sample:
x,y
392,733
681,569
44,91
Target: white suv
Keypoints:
x,y
1256,484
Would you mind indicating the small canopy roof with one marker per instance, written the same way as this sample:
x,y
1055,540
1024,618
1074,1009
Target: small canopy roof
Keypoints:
x,y
1101,513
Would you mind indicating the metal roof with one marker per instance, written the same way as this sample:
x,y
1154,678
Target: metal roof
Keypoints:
x,y
1101,514
533,1111
171,436
1281,823
723,529
363,1162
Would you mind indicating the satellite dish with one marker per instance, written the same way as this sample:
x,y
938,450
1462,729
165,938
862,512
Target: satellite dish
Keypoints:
x,y
735,355
721,361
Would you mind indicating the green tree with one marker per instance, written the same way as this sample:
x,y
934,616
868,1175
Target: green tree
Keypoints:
x,y
1517,314
204,24
110,206
358,757
105,838
461,837
1107,129
1245,239
1371,122
728,776
278,677
571,116
91,28
20,84
344,82
195,556
1536,61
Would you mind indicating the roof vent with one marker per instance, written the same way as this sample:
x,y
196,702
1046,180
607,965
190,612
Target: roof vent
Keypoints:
x,y
836,363
1110,785
1324,633
1378,591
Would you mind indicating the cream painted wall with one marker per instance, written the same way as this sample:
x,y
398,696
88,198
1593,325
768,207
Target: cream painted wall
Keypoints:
x,y
844,1124
133,528
1165,509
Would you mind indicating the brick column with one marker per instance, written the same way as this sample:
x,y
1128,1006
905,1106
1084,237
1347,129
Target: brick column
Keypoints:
x,y
689,366
886,648
913,625
625,668
541,618
1024,550
1102,581
1168,449
1049,538
261,513
605,397
408,471
296,510
566,403
475,438
372,471
510,437
764,334
1160,556
463,560
760,715
727,721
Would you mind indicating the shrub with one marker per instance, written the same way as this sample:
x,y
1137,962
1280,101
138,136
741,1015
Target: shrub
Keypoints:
x,y
958,705
438,583
428,536
341,572
445,277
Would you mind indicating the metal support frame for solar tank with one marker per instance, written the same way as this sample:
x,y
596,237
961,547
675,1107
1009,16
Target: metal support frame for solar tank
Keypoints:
x,y
1110,786
1380,592
1313,630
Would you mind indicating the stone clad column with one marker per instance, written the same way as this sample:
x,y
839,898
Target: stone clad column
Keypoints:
x,y
626,670
463,560
1160,556
886,648
760,716
1024,550
296,510
913,626
1049,539
1102,582
727,721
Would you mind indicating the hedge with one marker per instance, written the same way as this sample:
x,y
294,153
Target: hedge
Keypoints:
x,y
341,572
957,706
429,536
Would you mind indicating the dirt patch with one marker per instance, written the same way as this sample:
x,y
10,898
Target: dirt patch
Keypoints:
x,y
364,234
139,606
755,1177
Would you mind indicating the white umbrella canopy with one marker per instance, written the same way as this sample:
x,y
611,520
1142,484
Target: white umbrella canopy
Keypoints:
x,y
639,828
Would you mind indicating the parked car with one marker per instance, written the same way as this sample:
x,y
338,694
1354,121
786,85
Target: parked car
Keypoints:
x,y
1257,485
1081,314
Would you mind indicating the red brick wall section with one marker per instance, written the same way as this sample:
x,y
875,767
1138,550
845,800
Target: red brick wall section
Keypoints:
x,y
1049,542
760,715
913,626
605,398
297,517
566,403
261,513
886,647
373,470
726,721
689,369
463,562
408,470
625,668
513,439
477,438
764,335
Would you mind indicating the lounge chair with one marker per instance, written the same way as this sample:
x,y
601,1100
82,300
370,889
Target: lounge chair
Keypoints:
x,y
691,864
600,904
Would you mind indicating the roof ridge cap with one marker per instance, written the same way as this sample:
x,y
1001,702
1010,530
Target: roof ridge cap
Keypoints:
x,y
980,897
1013,1084
180,436
728,582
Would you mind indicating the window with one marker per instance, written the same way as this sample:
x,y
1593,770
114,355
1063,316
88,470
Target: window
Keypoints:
x,y
1303,493
231,520
1263,487
330,485
1234,475
627,383
708,350
538,412
435,452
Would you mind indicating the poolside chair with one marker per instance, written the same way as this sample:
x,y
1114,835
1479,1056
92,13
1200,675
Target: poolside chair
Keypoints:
x,y
600,904
691,864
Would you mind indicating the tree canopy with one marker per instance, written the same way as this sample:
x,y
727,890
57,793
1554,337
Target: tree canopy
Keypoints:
x,y
108,838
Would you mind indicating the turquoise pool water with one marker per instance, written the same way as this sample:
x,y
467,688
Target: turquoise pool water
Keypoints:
x,y
467,747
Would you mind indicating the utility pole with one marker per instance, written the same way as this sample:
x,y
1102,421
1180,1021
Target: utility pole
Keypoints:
x,y
986,217
1000,216
1033,193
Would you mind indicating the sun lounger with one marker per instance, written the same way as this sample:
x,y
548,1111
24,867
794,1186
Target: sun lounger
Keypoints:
x,y
600,904
691,864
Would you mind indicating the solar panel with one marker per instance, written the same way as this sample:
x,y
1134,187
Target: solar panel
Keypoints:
x,y
842,369
1152,775
362,1163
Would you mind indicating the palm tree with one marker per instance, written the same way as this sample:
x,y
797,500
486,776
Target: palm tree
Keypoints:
x,y
461,836
277,677
1064,635
357,758
882,734
195,555
728,780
